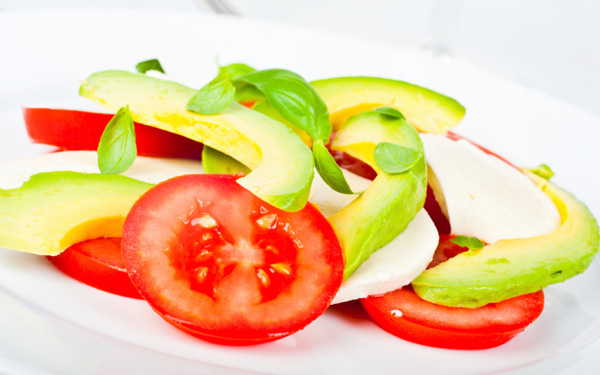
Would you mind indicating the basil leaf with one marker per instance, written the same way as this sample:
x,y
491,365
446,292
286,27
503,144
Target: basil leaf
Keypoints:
x,y
244,92
389,111
543,170
117,150
393,158
152,64
236,70
214,161
294,98
329,170
472,243
214,97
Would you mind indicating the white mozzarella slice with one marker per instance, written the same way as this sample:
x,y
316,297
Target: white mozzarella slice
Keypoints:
x,y
394,265
485,197
152,170
330,201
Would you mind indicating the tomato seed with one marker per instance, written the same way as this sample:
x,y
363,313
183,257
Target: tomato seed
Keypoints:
x,y
272,249
264,278
206,221
202,273
204,256
267,221
282,268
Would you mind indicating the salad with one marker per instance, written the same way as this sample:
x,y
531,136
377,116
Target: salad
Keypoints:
x,y
237,256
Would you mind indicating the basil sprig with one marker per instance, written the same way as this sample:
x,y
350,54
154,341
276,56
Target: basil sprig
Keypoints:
x,y
214,97
294,98
152,64
290,94
472,243
392,158
117,149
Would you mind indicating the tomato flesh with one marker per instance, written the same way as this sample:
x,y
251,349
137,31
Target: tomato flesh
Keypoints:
x,y
97,263
404,314
219,263
80,130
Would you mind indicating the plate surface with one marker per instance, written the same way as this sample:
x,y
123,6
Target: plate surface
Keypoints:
x,y
52,324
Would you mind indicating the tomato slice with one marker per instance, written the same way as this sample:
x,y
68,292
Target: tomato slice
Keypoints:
x,y
404,314
97,263
219,263
79,130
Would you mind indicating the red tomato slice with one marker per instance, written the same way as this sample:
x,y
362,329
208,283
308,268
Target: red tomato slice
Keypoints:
x,y
97,263
79,130
217,262
404,314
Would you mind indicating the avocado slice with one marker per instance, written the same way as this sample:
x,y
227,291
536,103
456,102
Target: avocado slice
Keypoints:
x,y
282,166
214,161
426,110
54,210
391,202
511,268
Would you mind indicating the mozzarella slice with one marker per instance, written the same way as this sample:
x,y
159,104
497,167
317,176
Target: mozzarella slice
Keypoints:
x,y
394,265
484,196
152,170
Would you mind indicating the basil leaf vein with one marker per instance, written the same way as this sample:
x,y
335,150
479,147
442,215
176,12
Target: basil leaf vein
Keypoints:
x,y
117,149
214,97
392,158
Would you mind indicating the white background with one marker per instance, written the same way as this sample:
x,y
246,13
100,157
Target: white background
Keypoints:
x,y
550,45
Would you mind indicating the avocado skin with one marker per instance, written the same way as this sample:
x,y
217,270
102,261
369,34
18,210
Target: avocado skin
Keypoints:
x,y
54,210
426,110
282,165
391,202
511,268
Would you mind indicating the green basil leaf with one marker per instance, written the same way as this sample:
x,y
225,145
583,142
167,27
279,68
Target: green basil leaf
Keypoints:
x,y
214,161
543,170
236,70
389,111
329,170
294,98
393,158
152,64
214,97
117,150
472,243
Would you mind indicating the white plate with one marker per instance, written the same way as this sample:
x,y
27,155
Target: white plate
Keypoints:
x,y
52,324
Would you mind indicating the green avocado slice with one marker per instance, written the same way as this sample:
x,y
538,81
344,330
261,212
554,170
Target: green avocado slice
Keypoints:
x,y
426,110
511,268
55,210
391,202
282,166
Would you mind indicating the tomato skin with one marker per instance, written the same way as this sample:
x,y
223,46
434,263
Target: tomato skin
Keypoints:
x,y
80,130
428,324
229,306
97,263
